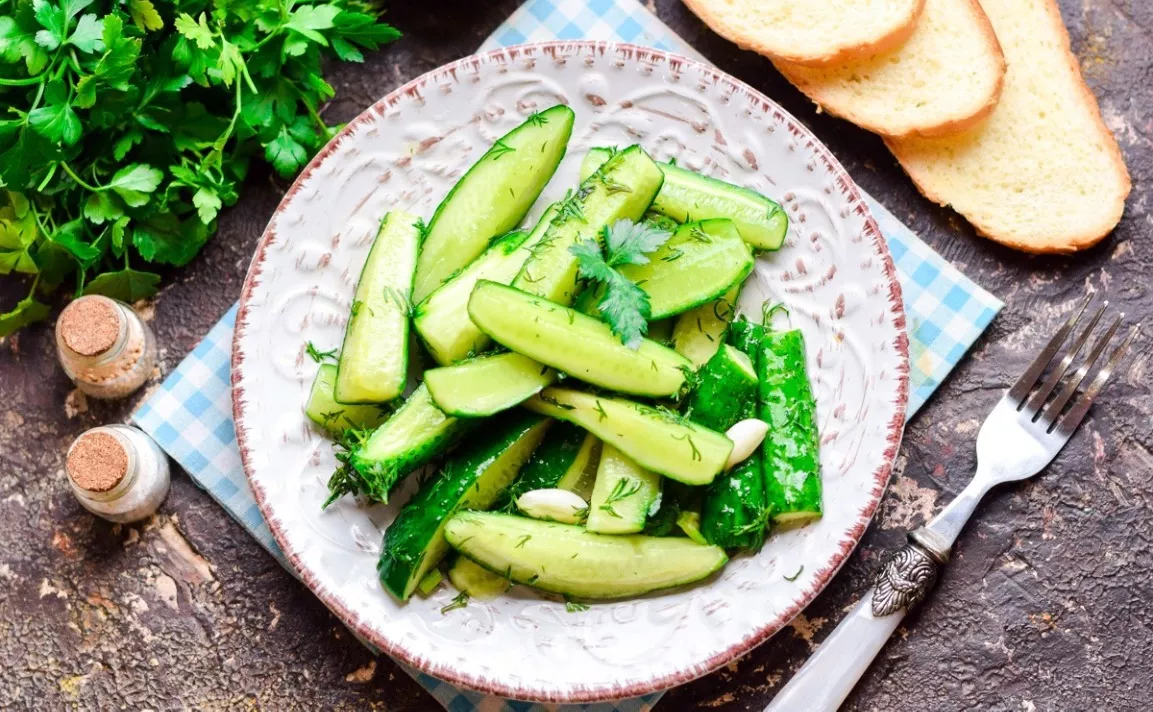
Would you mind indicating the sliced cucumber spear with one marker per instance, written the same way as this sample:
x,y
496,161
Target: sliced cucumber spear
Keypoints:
x,y
688,196
622,188
411,438
492,197
562,452
726,390
567,559
475,580
579,345
472,479
733,509
334,417
374,358
699,333
699,263
657,440
486,385
623,495
442,319
792,464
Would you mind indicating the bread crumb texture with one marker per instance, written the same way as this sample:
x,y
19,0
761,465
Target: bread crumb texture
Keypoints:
x,y
944,79
808,32
1042,173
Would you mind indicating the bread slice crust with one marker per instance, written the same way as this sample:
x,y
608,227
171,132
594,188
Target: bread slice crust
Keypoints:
x,y
1057,206
813,48
883,92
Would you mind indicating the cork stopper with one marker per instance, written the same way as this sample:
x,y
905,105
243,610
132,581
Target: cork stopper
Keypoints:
x,y
97,462
90,325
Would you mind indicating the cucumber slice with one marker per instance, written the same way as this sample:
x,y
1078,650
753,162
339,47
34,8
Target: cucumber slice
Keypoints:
x,y
486,385
442,319
472,479
429,583
582,472
658,440
475,580
576,344
623,494
567,559
622,188
334,417
699,263
792,464
492,197
374,358
687,196
411,438
699,332
561,450
726,390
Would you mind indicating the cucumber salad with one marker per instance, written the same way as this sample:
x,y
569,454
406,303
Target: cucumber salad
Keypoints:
x,y
602,423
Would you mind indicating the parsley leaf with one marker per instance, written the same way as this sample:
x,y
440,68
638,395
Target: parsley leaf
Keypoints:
x,y
624,306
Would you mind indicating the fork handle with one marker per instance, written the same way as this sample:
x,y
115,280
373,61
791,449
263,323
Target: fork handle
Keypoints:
x,y
830,674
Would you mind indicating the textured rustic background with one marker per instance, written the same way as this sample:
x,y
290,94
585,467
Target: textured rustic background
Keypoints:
x,y
1044,607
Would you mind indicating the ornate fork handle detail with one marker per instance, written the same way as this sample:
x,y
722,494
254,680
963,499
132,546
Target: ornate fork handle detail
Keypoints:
x,y
907,576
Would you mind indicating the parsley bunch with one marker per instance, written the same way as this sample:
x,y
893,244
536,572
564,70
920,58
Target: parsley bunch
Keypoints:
x,y
131,123
624,306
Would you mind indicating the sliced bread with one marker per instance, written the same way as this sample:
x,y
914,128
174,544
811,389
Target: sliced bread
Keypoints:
x,y
1042,173
811,32
945,78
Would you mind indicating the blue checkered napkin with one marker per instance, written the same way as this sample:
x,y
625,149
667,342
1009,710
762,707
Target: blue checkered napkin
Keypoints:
x,y
190,415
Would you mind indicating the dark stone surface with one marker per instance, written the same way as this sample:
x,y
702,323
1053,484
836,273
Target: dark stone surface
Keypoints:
x,y
1043,608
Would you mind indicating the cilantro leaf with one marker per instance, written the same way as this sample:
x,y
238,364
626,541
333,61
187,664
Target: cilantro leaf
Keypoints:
x,y
127,285
134,182
51,18
28,310
284,153
87,35
56,121
627,242
144,15
71,237
166,239
207,204
308,19
102,206
196,30
623,306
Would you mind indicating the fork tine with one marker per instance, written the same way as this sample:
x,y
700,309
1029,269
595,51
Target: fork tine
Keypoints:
x,y
1038,399
1029,378
1077,413
1053,410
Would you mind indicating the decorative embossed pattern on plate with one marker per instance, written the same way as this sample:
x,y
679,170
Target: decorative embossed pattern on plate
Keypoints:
x,y
405,152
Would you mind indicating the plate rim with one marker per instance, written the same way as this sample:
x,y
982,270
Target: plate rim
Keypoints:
x,y
608,691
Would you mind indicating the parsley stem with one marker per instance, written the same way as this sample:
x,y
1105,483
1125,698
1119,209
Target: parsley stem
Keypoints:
x,y
20,82
78,179
319,121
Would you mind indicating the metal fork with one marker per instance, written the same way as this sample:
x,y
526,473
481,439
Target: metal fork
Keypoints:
x,y
1025,431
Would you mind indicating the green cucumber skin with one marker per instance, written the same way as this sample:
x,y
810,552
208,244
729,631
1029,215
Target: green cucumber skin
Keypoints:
x,y
569,560
724,393
414,542
699,264
373,365
687,196
454,342
456,233
548,464
512,377
573,343
699,332
791,454
733,508
380,471
334,417
551,271
660,441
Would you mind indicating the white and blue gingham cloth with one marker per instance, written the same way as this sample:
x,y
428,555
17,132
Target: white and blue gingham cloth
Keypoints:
x,y
190,415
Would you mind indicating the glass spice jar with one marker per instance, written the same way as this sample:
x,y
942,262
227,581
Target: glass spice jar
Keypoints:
x,y
104,346
117,472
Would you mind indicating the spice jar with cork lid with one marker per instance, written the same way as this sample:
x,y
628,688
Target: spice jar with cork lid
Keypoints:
x,y
117,472
104,346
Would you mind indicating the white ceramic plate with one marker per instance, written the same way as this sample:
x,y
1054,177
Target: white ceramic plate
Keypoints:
x,y
834,273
